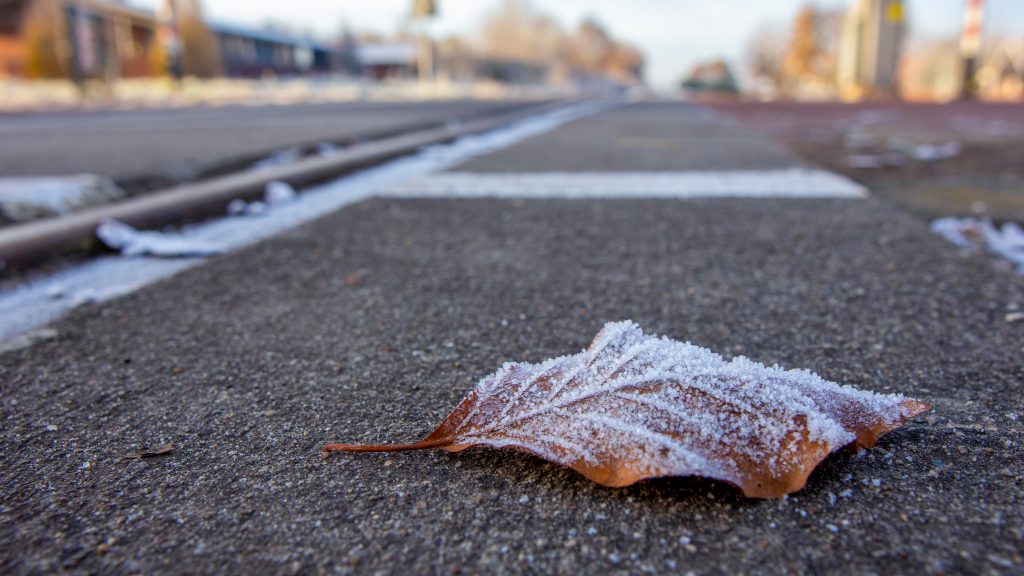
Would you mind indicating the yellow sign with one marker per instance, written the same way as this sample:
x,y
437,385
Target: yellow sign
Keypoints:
x,y
424,8
894,11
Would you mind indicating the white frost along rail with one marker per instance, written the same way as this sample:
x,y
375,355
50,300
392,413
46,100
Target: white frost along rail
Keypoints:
x,y
34,304
784,183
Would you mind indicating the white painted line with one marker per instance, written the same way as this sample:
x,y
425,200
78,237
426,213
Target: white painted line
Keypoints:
x,y
784,183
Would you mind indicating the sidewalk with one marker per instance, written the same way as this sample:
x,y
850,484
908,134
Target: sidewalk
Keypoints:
x,y
372,323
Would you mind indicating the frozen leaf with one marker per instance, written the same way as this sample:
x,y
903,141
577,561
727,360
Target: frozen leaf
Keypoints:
x,y
634,406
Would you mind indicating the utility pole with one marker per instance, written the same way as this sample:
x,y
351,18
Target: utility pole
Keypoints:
x,y
71,26
422,12
970,47
167,31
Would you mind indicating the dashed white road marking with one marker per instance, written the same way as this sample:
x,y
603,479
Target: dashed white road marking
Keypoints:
x,y
783,183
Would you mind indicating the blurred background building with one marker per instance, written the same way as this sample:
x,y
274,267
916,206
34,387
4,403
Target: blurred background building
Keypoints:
x,y
110,40
869,49
99,40
814,50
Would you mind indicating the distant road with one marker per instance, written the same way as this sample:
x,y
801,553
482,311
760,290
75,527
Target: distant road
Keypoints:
x,y
171,143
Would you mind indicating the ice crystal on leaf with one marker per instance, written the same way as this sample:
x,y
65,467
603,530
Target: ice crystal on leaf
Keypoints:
x,y
634,406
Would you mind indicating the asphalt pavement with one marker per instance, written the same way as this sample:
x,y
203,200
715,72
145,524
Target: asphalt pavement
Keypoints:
x,y
178,143
370,324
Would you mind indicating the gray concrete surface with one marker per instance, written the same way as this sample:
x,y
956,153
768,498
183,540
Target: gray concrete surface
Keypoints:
x,y
651,136
176,143
372,323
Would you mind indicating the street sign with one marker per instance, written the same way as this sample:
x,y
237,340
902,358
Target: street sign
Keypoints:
x,y
424,9
970,39
894,12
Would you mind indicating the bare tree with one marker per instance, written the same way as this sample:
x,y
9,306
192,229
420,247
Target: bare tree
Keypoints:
x,y
811,55
765,52
593,50
200,53
804,47
515,30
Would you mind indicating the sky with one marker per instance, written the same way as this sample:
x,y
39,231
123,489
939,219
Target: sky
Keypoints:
x,y
673,34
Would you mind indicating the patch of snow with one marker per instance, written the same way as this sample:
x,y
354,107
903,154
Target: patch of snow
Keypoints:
x,y
256,208
1006,242
934,153
956,230
132,242
325,149
29,198
237,207
278,193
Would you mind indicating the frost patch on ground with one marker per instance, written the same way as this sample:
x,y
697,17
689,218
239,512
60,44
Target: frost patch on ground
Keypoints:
x,y
29,198
1006,242
278,193
935,152
131,242
274,194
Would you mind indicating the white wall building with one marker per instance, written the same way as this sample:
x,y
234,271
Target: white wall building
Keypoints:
x,y
869,51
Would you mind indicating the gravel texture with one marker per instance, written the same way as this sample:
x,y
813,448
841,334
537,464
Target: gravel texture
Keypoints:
x,y
370,325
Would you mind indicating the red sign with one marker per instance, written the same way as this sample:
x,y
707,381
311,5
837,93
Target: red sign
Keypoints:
x,y
970,39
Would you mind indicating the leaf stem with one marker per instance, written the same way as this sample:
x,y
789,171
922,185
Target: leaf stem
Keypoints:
x,y
421,445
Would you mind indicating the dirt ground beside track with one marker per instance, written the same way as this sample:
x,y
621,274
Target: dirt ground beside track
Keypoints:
x,y
985,178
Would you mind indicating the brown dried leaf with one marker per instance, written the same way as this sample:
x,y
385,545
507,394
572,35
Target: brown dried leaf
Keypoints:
x,y
633,406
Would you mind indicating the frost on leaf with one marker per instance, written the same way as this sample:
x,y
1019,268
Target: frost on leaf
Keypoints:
x,y
633,406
